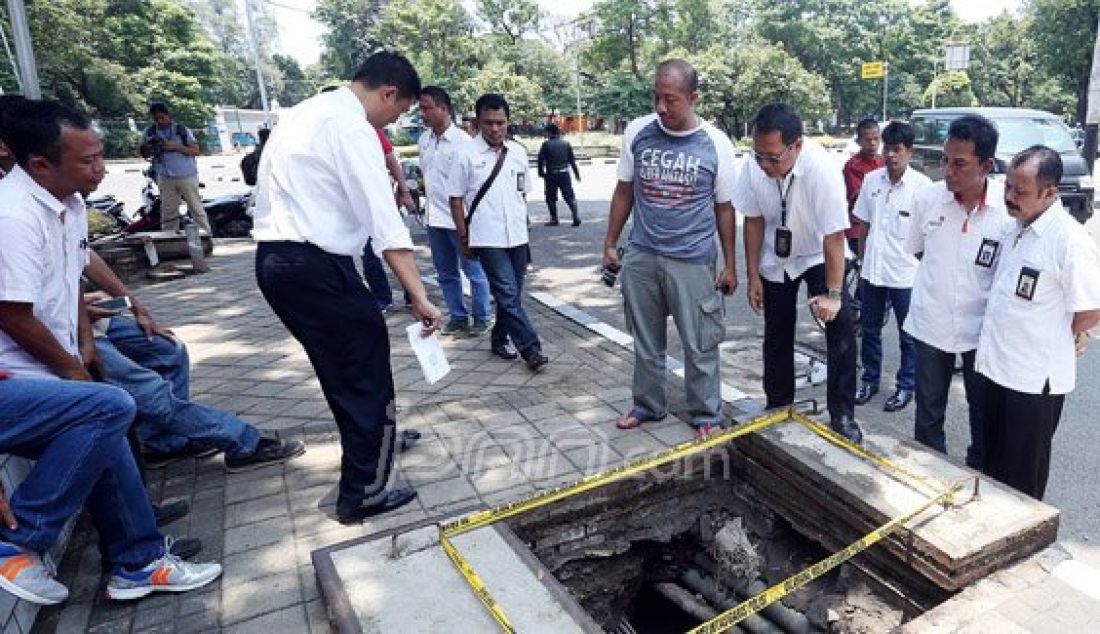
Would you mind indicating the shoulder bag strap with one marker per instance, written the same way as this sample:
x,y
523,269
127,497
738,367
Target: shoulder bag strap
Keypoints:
x,y
486,185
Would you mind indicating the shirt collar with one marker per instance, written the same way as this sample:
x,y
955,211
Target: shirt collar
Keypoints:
x,y
1041,224
44,197
483,145
983,202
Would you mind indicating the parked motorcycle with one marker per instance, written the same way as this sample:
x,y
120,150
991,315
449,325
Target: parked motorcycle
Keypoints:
x,y
230,215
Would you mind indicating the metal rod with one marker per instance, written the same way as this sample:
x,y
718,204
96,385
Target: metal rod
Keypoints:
x,y
24,50
256,59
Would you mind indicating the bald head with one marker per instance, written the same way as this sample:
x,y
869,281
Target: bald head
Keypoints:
x,y
683,72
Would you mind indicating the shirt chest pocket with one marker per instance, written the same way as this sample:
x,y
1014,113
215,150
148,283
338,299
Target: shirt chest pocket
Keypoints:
x,y
1033,281
900,220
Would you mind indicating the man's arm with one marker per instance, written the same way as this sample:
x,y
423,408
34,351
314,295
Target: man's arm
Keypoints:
x,y
189,147
403,265
727,235
458,214
754,243
18,321
573,162
1085,320
541,160
622,201
100,274
404,197
825,306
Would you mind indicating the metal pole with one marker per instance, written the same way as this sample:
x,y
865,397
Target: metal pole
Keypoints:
x,y
885,87
256,60
1092,114
11,58
580,117
934,83
24,50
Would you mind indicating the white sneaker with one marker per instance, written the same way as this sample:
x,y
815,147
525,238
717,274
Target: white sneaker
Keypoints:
x,y
24,574
167,574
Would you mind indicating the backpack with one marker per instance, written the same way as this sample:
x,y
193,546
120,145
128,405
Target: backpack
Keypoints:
x,y
250,165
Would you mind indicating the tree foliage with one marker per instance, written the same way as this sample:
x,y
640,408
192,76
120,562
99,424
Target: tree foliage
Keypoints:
x,y
1063,32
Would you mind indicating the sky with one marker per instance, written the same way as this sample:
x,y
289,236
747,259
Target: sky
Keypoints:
x,y
300,35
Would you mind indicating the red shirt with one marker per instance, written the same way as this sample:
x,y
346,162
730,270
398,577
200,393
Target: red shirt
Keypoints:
x,y
854,170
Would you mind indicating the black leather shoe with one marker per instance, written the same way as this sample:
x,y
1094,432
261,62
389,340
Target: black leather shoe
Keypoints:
x,y
394,500
865,393
504,352
171,511
185,547
536,361
576,221
551,223
407,439
900,400
848,428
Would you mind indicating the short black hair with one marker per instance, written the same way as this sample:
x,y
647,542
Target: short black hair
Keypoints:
x,y
552,129
899,132
439,96
492,101
9,103
689,77
1048,164
33,128
866,124
263,133
978,130
389,69
158,107
781,118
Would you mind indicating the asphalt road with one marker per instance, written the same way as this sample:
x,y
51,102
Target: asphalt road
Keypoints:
x,y
566,263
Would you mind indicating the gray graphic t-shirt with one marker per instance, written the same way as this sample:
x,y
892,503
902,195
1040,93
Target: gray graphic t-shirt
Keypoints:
x,y
678,177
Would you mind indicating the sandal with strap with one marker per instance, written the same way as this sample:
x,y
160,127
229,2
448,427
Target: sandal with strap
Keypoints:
x,y
638,416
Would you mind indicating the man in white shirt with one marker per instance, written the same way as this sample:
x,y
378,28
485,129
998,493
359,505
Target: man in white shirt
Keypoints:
x,y
323,190
796,211
1046,293
956,232
438,146
676,175
488,187
885,207
50,410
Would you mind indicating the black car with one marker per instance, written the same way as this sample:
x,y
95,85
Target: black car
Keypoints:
x,y
1019,129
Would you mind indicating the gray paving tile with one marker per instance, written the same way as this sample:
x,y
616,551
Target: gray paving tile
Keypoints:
x,y
244,601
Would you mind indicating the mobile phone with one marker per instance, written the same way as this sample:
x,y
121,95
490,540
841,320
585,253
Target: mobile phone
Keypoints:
x,y
114,303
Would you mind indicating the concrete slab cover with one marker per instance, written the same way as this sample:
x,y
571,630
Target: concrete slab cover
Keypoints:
x,y
419,591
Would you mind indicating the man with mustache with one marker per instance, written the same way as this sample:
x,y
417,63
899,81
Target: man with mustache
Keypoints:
x,y
1045,295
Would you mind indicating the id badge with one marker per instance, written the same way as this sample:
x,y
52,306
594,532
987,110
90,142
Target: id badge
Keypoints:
x,y
521,180
987,253
783,239
1026,283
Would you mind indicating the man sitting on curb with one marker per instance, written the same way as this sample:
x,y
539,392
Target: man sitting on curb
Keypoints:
x,y
50,411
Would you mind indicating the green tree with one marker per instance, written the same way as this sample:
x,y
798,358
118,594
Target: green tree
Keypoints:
x,y
951,89
620,95
511,18
524,95
349,34
1004,71
437,35
293,84
1064,32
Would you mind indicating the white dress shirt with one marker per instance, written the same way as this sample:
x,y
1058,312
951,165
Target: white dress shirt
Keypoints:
x,y
437,153
501,217
43,250
955,273
888,208
1026,342
323,180
817,206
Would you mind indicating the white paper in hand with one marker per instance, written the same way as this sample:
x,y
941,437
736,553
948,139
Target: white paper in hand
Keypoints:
x,y
429,352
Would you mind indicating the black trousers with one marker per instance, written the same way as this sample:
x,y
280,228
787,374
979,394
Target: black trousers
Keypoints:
x,y
781,308
1019,430
323,302
934,371
555,181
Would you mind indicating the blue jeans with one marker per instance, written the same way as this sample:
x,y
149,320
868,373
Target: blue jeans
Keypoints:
x,y
374,274
76,433
167,420
447,257
505,269
872,314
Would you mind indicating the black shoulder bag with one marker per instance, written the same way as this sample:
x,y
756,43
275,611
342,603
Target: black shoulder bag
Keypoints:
x,y
486,185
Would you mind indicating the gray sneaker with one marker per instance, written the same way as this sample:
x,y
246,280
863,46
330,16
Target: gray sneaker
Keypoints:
x,y
455,328
480,327
24,574
167,574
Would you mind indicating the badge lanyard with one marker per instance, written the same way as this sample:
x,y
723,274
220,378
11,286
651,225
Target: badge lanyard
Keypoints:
x,y
783,196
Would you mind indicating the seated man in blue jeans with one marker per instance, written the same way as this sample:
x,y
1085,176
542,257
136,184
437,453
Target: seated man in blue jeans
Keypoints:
x,y
50,410
152,365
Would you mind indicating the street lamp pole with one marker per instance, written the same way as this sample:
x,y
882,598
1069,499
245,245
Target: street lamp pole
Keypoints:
x,y
24,50
256,60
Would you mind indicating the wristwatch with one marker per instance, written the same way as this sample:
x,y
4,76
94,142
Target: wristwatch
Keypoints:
x,y
834,293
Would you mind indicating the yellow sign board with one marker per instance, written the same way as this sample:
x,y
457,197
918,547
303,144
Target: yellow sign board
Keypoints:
x,y
871,70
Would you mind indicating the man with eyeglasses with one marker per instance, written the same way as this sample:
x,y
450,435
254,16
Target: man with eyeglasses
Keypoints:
x,y
796,211
956,231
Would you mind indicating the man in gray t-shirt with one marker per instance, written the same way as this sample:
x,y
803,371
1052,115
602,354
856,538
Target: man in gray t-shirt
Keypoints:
x,y
172,148
676,172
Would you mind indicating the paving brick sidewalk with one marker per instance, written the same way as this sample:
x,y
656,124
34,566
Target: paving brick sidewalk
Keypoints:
x,y
492,432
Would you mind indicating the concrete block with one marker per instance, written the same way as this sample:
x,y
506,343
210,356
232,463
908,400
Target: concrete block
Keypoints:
x,y
244,601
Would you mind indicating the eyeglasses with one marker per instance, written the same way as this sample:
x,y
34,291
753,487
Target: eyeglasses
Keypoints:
x,y
774,159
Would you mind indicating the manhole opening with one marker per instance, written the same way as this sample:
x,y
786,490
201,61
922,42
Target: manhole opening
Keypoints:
x,y
665,551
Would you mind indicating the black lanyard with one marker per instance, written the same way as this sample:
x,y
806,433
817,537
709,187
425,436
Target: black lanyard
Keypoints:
x,y
783,199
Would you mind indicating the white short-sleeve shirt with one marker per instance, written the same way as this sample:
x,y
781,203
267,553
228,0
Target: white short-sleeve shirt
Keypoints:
x,y
43,250
888,208
1048,271
960,252
500,219
437,152
817,206
323,180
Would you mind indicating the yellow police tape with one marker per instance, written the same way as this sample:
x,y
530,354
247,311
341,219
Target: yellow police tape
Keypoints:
x,y
486,517
727,620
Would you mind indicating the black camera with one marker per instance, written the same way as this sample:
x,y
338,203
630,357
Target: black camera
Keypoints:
x,y
610,273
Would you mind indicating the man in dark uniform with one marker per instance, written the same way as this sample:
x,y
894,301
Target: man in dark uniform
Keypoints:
x,y
555,160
